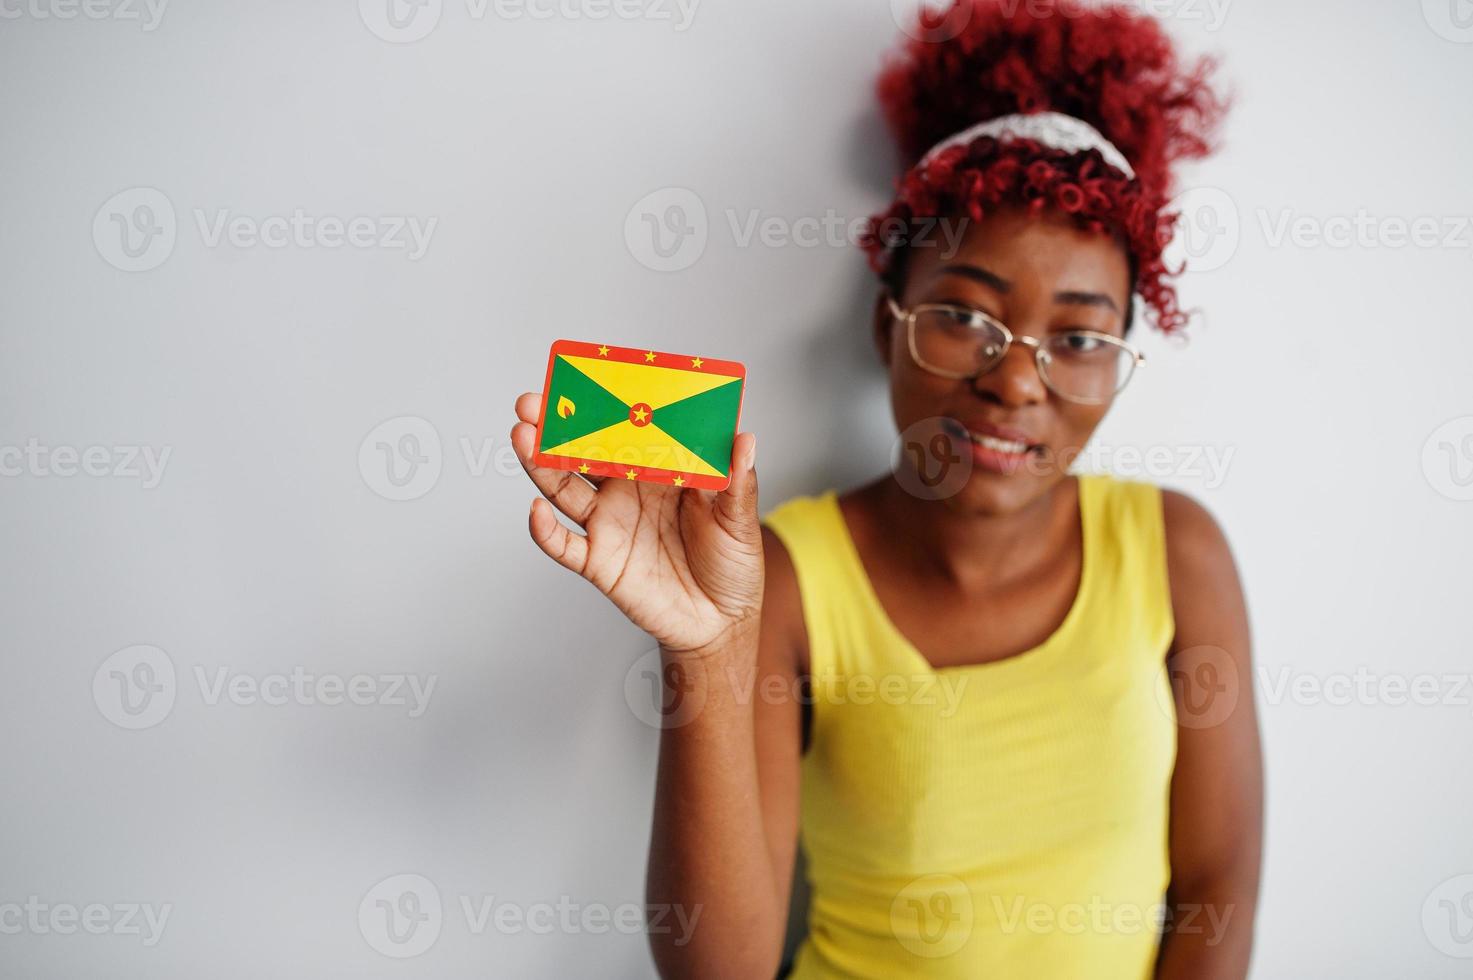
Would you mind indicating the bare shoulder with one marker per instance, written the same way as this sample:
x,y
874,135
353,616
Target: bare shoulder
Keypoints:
x,y
784,636
1195,542
1206,594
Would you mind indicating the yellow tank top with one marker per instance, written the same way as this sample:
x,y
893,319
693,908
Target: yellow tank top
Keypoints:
x,y
1005,820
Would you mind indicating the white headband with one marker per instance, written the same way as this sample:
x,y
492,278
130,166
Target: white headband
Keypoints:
x,y
1053,129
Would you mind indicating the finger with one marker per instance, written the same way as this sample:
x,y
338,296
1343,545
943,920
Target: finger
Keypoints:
x,y
569,491
529,405
556,541
736,506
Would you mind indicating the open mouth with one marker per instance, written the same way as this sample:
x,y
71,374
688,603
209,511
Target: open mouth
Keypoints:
x,y
996,449
999,445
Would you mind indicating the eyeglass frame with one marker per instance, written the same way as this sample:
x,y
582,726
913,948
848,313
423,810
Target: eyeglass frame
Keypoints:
x,y
1040,356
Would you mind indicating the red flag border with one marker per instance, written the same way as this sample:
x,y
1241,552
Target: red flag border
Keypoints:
x,y
632,355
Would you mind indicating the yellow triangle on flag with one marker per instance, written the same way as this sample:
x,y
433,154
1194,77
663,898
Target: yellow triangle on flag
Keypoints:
x,y
636,445
649,383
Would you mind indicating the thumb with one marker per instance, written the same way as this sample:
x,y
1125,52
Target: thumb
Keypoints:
x,y
736,506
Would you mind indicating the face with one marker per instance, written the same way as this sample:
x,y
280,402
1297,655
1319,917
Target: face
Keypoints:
x,y
1038,276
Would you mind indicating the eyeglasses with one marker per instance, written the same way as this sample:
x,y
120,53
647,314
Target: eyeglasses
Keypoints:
x,y
1083,366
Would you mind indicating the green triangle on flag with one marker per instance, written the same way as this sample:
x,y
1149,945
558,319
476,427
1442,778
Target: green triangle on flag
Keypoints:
x,y
705,423
576,406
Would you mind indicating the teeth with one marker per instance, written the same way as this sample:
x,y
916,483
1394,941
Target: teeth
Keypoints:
x,y
999,445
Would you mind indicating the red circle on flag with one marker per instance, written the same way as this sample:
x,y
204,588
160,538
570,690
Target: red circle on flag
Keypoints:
x,y
639,414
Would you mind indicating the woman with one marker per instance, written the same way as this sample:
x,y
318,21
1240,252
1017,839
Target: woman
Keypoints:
x,y
955,687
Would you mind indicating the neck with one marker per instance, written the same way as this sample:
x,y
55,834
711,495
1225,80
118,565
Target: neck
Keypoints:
x,y
973,550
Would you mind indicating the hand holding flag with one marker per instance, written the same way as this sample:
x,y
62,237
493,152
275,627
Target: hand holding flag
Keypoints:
x,y
683,563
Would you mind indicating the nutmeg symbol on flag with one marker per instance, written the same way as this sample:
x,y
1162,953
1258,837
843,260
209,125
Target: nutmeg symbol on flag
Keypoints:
x,y
643,415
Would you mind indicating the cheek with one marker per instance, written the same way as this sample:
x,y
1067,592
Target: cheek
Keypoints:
x,y
1077,423
916,394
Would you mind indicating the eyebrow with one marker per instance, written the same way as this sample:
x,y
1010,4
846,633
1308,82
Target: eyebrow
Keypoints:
x,y
1085,299
977,274
987,278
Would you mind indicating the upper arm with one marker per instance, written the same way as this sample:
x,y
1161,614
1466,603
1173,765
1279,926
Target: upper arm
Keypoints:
x,y
777,707
1217,788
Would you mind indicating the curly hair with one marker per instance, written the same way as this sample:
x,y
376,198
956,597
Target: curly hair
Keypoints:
x,y
1112,67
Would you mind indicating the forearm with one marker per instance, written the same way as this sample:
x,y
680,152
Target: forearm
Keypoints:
x,y
709,855
1209,933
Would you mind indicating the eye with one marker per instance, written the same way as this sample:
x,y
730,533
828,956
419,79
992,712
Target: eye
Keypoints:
x,y
1077,343
956,319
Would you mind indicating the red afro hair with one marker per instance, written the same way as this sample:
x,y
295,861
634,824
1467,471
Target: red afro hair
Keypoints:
x,y
1112,67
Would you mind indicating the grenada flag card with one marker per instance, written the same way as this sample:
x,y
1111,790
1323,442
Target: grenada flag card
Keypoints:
x,y
640,414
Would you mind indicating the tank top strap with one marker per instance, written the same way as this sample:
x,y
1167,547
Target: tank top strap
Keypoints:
x,y
1131,585
848,632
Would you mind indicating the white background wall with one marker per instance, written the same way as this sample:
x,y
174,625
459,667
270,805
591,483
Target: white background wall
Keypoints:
x,y
268,545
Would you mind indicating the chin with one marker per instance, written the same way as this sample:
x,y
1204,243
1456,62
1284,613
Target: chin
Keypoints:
x,y
993,494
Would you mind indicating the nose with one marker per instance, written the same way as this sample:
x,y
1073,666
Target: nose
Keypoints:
x,y
1014,381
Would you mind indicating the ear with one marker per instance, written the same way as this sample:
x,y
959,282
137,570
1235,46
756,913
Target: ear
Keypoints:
x,y
884,326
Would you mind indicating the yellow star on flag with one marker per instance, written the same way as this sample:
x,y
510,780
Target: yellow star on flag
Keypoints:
x,y
660,415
